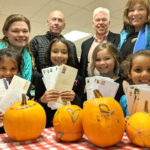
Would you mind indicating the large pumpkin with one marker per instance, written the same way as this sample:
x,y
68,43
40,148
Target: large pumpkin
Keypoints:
x,y
103,121
67,123
138,129
24,120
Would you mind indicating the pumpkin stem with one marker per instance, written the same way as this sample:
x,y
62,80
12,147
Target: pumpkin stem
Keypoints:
x,y
97,93
24,102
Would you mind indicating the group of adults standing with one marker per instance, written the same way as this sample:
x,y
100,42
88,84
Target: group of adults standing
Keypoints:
x,y
134,36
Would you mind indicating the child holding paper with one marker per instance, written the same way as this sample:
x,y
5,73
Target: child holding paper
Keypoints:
x,y
137,71
10,65
105,61
58,53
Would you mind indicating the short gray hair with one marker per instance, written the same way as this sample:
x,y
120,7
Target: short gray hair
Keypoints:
x,y
101,9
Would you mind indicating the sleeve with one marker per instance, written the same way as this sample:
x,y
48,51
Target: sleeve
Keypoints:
x,y
77,100
83,62
73,47
34,49
76,57
39,85
123,103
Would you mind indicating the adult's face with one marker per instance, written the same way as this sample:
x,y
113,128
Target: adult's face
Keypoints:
x,y
56,22
101,23
59,54
137,15
18,34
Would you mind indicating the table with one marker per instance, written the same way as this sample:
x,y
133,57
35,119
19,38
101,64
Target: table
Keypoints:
x,y
48,141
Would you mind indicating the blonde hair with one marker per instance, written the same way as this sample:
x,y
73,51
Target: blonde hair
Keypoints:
x,y
111,48
130,3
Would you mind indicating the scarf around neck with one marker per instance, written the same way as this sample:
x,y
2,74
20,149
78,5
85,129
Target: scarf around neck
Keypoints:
x,y
26,66
143,39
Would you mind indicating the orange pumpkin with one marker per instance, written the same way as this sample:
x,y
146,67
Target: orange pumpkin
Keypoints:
x,y
138,129
24,120
103,121
67,123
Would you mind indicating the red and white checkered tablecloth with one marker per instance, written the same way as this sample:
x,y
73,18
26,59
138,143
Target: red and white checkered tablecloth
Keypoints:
x,y
48,141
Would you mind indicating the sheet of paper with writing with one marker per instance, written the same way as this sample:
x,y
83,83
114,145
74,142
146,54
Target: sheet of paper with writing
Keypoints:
x,y
14,92
66,78
138,98
61,78
3,87
106,86
20,83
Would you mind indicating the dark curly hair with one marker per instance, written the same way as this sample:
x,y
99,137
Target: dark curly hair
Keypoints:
x,y
127,64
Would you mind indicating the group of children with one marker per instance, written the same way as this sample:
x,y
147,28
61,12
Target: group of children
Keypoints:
x,y
105,60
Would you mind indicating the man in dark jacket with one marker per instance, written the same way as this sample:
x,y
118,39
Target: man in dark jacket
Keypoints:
x,y
39,44
101,22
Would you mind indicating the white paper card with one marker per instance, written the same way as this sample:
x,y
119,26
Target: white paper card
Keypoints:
x,y
20,83
60,78
106,86
3,87
11,96
138,98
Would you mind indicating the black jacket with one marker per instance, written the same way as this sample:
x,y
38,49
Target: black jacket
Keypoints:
x,y
39,91
112,37
39,45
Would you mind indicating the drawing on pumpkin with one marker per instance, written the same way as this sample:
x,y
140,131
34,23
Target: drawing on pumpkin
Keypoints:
x,y
73,113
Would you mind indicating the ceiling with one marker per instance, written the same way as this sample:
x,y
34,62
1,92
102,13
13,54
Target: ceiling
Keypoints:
x,y
78,14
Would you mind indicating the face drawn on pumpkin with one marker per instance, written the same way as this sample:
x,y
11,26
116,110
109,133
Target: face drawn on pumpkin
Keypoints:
x,y
67,123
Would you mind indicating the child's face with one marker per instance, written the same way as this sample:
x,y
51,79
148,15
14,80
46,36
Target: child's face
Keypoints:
x,y
140,71
59,53
8,68
105,63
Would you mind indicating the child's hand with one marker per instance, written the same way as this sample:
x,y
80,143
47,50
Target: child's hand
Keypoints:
x,y
67,95
50,95
1,117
